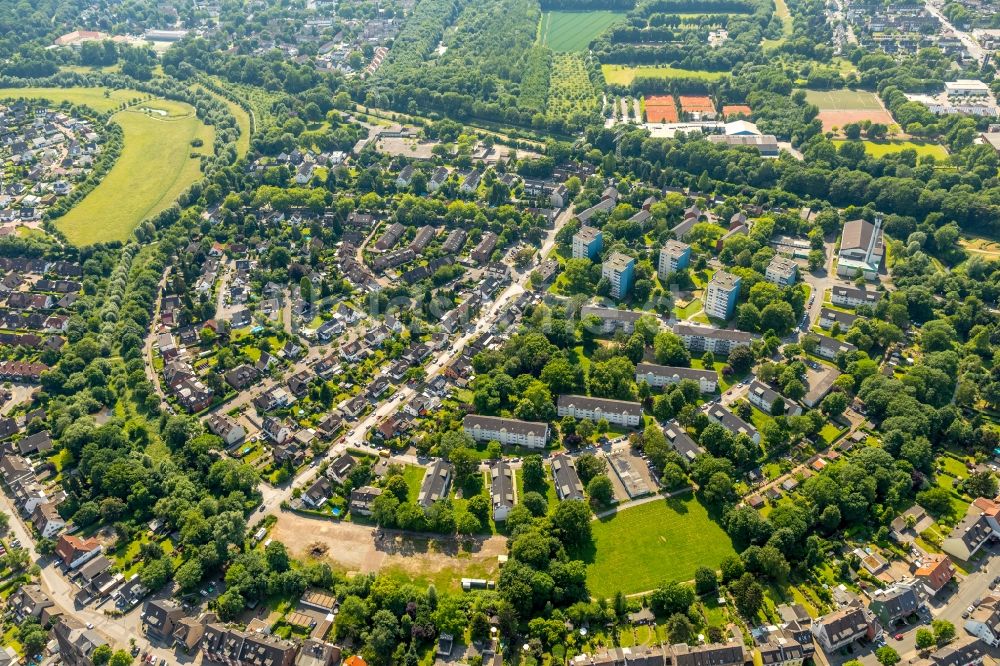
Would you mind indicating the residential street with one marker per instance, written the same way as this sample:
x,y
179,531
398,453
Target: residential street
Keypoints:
x,y
975,50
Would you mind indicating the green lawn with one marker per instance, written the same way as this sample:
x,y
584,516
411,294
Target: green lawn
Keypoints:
x,y
573,31
881,148
843,100
624,74
155,165
829,432
689,309
414,477
641,547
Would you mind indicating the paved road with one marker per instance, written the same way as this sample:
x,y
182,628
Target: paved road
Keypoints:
x,y
975,50
118,630
151,374
355,438
821,281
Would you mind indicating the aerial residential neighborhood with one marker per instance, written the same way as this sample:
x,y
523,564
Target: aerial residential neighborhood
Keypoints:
x,y
510,332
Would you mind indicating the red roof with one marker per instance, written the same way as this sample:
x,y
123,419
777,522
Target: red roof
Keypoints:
x,y
70,547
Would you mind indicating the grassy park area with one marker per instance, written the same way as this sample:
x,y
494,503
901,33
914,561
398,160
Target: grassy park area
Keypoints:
x,y
640,547
157,162
624,74
881,148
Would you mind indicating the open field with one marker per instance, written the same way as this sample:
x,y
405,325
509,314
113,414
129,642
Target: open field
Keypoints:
x,y
642,546
984,247
624,75
880,148
573,31
843,100
155,165
353,548
98,99
842,107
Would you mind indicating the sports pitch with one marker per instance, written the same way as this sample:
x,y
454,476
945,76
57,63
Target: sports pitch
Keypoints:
x,y
842,100
842,107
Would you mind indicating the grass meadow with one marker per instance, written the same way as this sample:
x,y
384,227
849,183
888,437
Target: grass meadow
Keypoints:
x,y
573,31
157,162
665,539
624,74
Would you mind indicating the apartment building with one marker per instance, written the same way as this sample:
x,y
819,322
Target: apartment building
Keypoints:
x,y
619,269
721,295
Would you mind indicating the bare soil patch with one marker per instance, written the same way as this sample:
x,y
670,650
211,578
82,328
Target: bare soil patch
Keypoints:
x,y
363,549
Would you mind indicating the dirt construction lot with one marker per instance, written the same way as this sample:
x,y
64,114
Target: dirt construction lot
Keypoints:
x,y
363,549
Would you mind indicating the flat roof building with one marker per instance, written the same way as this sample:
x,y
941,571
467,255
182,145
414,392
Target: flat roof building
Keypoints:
x,y
674,256
721,295
782,271
588,243
619,269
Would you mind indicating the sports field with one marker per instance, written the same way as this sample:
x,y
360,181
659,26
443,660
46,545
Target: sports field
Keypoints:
x,y
661,109
573,31
624,75
842,107
155,165
842,100
880,148
642,546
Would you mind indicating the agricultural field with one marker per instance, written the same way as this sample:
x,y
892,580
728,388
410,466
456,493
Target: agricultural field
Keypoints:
x,y
880,148
640,547
842,107
624,74
570,91
155,165
573,31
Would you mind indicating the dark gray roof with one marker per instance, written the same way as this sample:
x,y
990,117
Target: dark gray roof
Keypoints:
x,y
501,484
604,404
674,371
712,654
711,332
963,651
568,484
681,441
435,484
730,421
